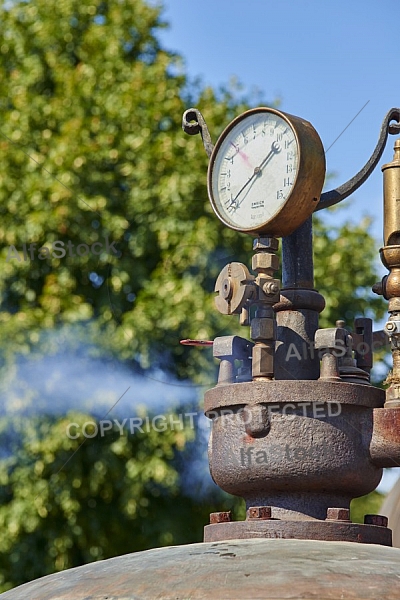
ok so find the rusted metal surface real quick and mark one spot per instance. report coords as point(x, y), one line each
point(284, 392)
point(271, 447)
point(256, 419)
point(257, 569)
point(220, 517)
point(330, 531)
point(337, 195)
point(385, 442)
point(301, 467)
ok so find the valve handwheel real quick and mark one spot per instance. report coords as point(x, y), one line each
point(234, 286)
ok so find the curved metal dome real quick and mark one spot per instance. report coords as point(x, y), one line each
point(235, 570)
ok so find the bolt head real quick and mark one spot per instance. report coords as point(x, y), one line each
point(266, 243)
point(259, 512)
point(378, 520)
point(271, 288)
point(220, 517)
point(338, 514)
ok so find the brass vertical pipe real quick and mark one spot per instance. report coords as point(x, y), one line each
point(390, 256)
point(391, 199)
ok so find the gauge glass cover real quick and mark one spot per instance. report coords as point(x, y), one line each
point(254, 169)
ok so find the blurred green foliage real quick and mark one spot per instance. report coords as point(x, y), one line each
point(366, 505)
point(91, 148)
point(67, 502)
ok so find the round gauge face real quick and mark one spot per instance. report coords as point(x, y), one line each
point(253, 169)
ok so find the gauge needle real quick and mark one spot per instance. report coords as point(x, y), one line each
point(275, 149)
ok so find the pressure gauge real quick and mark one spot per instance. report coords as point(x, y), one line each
point(266, 172)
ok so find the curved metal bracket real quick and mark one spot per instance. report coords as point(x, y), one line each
point(193, 123)
point(337, 195)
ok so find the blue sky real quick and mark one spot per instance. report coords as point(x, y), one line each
point(325, 60)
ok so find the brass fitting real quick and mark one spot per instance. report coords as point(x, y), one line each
point(263, 325)
point(265, 260)
point(390, 256)
point(391, 195)
point(262, 329)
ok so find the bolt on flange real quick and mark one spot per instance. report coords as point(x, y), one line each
point(220, 517)
point(378, 520)
point(338, 514)
point(259, 512)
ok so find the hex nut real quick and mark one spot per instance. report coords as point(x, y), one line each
point(259, 512)
point(266, 243)
point(263, 361)
point(265, 260)
point(378, 520)
point(220, 517)
point(271, 288)
point(262, 329)
point(338, 514)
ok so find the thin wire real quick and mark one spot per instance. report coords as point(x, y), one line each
point(347, 126)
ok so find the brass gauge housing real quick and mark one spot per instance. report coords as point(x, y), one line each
point(266, 173)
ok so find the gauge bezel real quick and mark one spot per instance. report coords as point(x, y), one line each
point(307, 185)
